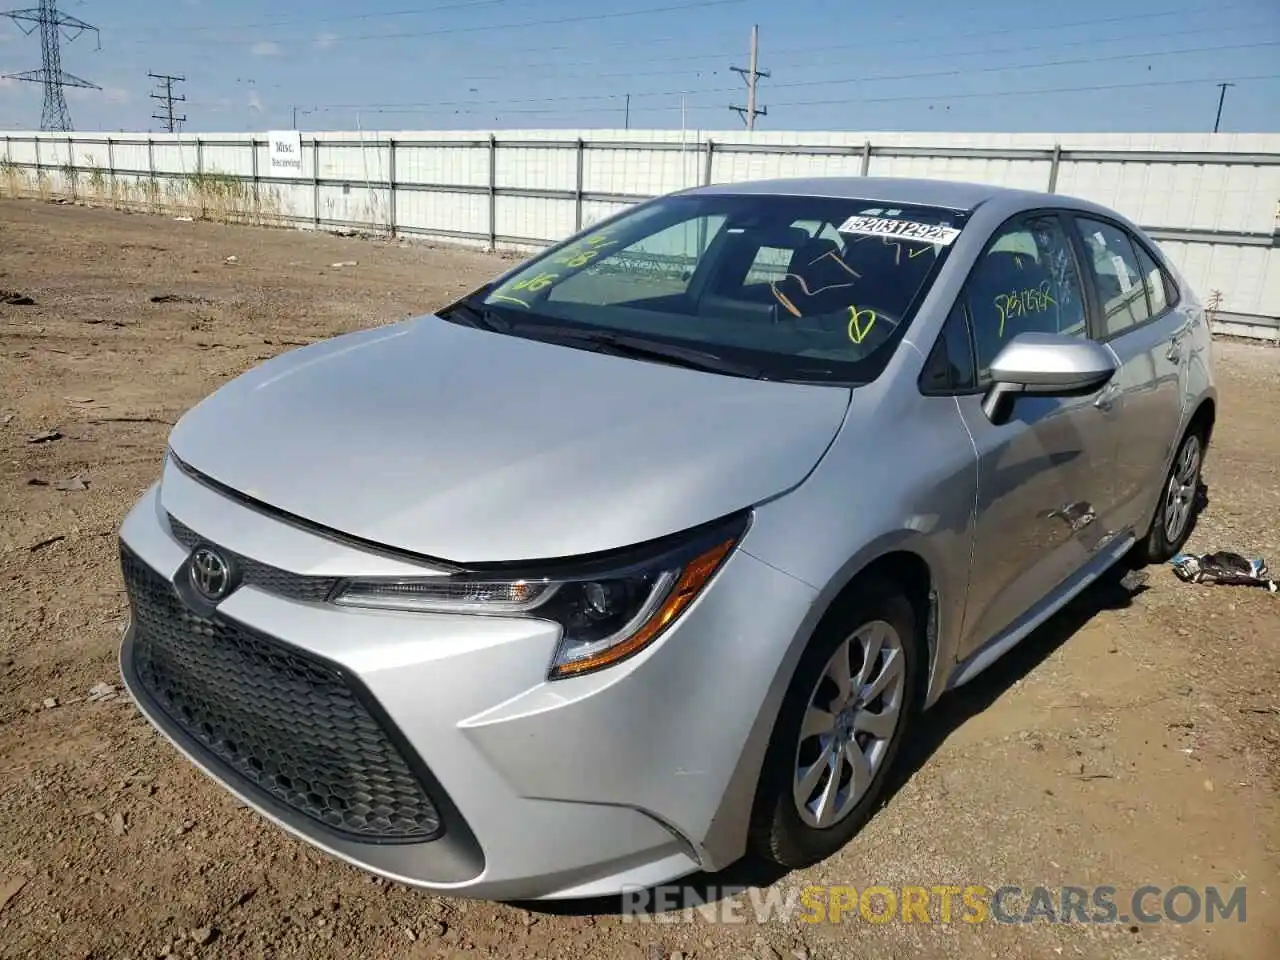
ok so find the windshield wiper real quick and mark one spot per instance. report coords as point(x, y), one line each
point(476, 316)
point(621, 344)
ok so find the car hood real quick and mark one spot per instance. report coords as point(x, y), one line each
point(471, 446)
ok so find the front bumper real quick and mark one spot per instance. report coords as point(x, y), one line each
point(577, 788)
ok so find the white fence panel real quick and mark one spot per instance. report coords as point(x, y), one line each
point(1212, 202)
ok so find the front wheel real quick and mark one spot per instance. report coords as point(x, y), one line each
point(843, 719)
point(1172, 523)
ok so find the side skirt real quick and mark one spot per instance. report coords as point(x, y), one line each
point(1002, 643)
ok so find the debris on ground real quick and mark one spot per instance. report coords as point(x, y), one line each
point(1134, 580)
point(179, 298)
point(1223, 567)
point(78, 399)
point(50, 702)
point(346, 263)
point(118, 825)
point(232, 259)
point(203, 935)
point(5, 418)
point(15, 299)
point(10, 889)
point(78, 482)
point(46, 542)
point(44, 436)
point(101, 692)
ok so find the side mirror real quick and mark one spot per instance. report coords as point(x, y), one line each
point(1046, 364)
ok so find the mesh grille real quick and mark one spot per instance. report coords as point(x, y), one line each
point(288, 725)
point(282, 583)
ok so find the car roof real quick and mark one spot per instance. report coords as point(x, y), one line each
point(951, 194)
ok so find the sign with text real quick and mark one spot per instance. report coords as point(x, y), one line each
point(284, 153)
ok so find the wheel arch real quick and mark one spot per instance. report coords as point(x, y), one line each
point(1204, 418)
point(901, 558)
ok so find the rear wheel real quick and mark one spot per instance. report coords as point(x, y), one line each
point(1172, 522)
point(851, 700)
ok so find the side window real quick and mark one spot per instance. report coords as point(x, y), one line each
point(659, 265)
point(769, 265)
point(1157, 284)
point(1026, 282)
point(949, 368)
point(772, 263)
point(1121, 290)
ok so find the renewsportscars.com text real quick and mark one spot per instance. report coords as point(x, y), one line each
point(938, 903)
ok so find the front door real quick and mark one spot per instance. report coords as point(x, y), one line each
point(1147, 394)
point(1041, 475)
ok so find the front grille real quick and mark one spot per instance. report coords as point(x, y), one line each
point(285, 724)
point(282, 583)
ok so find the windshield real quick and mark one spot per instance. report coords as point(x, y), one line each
point(808, 288)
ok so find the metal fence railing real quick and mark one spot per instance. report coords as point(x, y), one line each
point(529, 192)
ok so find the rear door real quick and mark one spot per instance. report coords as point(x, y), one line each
point(1137, 319)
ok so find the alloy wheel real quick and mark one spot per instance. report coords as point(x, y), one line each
point(852, 714)
point(1181, 491)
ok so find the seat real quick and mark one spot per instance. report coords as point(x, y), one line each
point(818, 280)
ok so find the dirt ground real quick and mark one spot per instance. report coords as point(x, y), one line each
point(1133, 740)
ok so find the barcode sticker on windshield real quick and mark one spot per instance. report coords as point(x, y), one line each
point(900, 229)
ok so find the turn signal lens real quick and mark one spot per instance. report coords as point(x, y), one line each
point(669, 598)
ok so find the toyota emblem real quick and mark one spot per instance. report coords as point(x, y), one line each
point(210, 574)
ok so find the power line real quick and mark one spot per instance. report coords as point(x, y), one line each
point(483, 28)
point(751, 75)
point(168, 98)
point(1000, 68)
point(994, 94)
point(54, 115)
point(864, 78)
point(1025, 93)
point(809, 51)
point(345, 18)
point(808, 60)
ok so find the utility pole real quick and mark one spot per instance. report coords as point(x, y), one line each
point(751, 75)
point(168, 99)
point(1221, 97)
point(52, 22)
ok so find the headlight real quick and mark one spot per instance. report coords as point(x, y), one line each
point(608, 608)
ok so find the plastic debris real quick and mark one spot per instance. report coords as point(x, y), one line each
point(100, 692)
point(1223, 567)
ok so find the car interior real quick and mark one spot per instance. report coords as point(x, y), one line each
point(788, 288)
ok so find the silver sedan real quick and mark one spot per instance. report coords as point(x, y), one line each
point(649, 553)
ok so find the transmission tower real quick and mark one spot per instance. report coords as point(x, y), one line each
point(751, 75)
point(168, 99)
point(52, 23)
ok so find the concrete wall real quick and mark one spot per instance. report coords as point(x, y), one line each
point(1211, 200)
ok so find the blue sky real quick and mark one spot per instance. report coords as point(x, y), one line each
point(976, 65)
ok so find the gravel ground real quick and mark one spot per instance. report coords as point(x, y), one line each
point(1132, 740)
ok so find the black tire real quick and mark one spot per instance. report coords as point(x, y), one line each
point(1158, 546)
point(777, 832)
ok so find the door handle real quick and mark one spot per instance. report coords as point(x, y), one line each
point(1107, 398)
